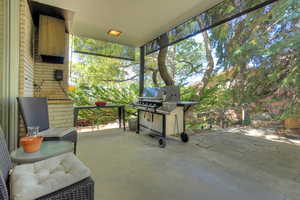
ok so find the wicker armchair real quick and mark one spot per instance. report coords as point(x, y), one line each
point(34, 111)
point(82, 190)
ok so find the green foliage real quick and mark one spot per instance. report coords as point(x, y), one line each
point(256, 58)
point(185, 59)
point(104, 48)
point(103, 79)
point(87, 95)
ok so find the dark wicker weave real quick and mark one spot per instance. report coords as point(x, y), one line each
point(83, 190)
point(5, 165)
point(34, 111)
point(3, 189)
point(5, 161)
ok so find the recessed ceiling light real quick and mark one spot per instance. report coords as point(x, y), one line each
point(114, 32)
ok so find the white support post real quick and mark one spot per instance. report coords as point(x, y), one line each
point(4, 71)
point(13, 73)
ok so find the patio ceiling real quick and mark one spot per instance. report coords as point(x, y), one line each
point(139, 20)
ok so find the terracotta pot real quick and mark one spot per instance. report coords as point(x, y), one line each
point(292, 123)
point(31, 144)
point(100, 103)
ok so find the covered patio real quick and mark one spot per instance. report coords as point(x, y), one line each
point(190, 73)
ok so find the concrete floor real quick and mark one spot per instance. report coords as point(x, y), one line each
point(213, 166)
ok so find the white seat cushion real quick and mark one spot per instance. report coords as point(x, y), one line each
point(30, 181)
point(56, 132)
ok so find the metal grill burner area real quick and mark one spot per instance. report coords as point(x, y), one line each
point(161, 113)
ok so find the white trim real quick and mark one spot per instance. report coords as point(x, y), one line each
point(4, 115)
point(14, 39)
point(10, 77)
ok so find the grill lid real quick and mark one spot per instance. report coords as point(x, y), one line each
point(151, 92)
point(167, 93)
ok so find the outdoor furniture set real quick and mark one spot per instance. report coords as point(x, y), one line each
point(52, 172)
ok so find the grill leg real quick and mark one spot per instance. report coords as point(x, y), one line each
point(164, 127)
point(162, 141)
point(184, 136)
point(138, 122)
point(120, 116)
point(123, 116)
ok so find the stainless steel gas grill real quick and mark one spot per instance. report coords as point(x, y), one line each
point(161, 113)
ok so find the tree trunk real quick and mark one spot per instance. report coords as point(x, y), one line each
point(154, 78)
point(162, 55)
point(209, 57)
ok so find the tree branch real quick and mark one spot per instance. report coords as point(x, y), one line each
point(193, 68)
point(209, 57)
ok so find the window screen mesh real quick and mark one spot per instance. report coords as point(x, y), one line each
point(102, 48)
point(219, 14)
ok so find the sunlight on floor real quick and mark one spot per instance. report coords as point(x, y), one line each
point(265, 133)
point(100, 127)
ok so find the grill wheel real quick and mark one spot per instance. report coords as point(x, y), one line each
point(184, 137)
point(162, 143)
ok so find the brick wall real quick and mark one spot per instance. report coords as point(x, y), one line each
point(35, 72)
point(47, 87)
point(61, 114)
point(26, 60)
